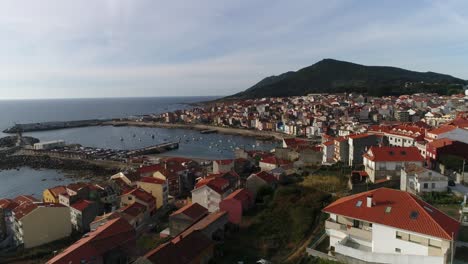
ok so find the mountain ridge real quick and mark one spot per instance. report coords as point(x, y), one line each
point(335, 76)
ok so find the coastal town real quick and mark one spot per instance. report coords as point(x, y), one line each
point(353, 179)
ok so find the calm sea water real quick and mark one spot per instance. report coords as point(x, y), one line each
point(193, 144)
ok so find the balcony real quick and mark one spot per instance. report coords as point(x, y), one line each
point(364, 233)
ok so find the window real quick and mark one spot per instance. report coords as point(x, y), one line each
point(426, 185)
point(397, 250)
point(433, 185)
point(359, 203)
point(356, 223)
point(399, 235)
point(388, 209)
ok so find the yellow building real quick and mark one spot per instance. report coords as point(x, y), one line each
point(52, 195)
point(157, 187)
point(36, 224)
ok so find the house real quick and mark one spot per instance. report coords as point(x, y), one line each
point(386, 162)
point(37, 223)
point(257, 180)
point(389, 226)
point(358, 145)
point(439, 148)
point(417, 179)
point(51, 195)
point(136, 214)
point(82, 213)
point(138, 195)
point(271, 162)
point(210, 192)
point(341, 150)
point(186, 216)
point(111, 242)
point(157, 188)
point(405, 135)
point(173, 177)
point(222, 166)
point(448, 131)
point(6, 220)
point(236, 204)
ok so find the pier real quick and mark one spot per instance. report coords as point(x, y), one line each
point(90, 153)
point(31, 127)
point(157, 149)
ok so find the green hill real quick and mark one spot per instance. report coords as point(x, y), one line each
point(333, 76)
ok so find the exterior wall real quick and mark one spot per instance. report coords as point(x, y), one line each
point(158, 191)
point(48, 197)
point(267, 166)
point(207, 198)
point(234, 209)
point(380, 170)
point(384, 246)
point(81, 220)
point(400, 141)
point(254, 183)
point(359, 146)
point(44, 225)
point(220, 168)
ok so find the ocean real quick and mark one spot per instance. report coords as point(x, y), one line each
point(193, 144)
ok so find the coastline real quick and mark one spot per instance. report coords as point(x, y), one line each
point(261, 135)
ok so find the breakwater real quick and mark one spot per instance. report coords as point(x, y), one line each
point(31, 127)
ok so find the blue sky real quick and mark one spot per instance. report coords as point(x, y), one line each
point(108, 48)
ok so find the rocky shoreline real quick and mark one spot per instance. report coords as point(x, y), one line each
point(72, 168)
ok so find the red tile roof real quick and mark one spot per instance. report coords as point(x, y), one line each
point(8, 204)
point(180, 250)
point(134, 209)
point(194, 211)
point(25, 199)
point(429, 220)
point(142, 195)
point(393, 154)
point(152, 180)
point(81, 205)
point(442, 129)
point(24, 209)
point(358, 136)
point(150, 169)
point(218, 184)
point(224, 162)
point(274, 160)
point(267, 177)
point(240, 195)
point(55, 191)
point(114, 234)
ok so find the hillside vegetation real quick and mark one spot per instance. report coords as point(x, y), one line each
point(333, 76)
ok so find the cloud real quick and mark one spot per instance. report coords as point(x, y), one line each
point(52, 48)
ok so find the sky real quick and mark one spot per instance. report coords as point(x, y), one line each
point(133, 48)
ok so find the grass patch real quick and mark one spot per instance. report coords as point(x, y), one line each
point(275, 231)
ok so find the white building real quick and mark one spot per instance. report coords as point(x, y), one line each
point(385, 162)
point(210, 192)
point(417, 179)
point(389, 226)
point(49, 145)
point(328, 152)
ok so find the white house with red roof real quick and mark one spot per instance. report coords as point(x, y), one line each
point(328, 152)
point(389, 226)
point(211, 191)
point(382, 163)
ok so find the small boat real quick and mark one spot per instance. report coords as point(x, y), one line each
point(121, 139)
point(152, 136)
point(134, 135)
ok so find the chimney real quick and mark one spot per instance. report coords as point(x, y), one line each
point(369, 201)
